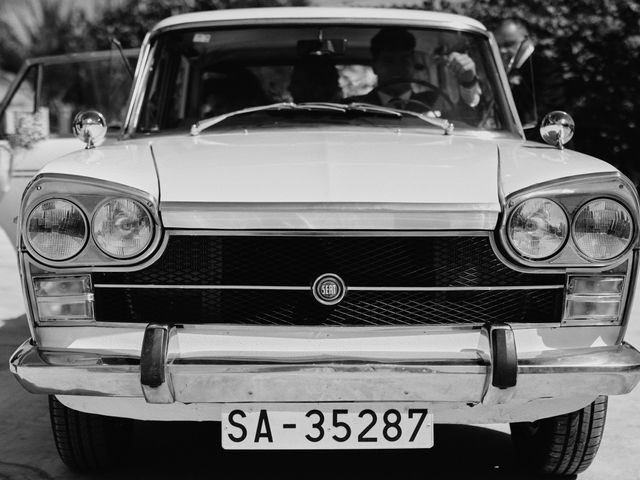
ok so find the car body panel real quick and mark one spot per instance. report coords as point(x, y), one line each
point(310, 14)
point(128, 164)
point(327, 166)
point(524, 164)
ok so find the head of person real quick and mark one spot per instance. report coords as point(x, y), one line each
point(509, 35)
point(393, 58)
point(314, 79)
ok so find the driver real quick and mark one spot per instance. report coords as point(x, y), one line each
point(394, 63)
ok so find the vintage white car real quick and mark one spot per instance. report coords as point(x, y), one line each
point(319, 261)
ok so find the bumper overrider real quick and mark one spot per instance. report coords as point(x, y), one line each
point(175, 366)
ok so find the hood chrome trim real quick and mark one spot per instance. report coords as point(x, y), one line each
point(333, 216)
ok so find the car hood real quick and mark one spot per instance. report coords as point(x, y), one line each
point(297, 174)
point(312, 179)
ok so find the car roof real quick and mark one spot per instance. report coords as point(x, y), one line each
point(338, 14)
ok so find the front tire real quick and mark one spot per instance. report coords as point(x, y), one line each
point(563, 445)
point(88, 442)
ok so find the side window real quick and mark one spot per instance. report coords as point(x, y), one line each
point(68, 88)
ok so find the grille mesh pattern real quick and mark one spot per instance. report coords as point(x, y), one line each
point(359, 261)
point(300, 308)
point(298, 261)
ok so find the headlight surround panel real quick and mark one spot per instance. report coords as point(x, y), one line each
point(89, 197)
point(573, 194)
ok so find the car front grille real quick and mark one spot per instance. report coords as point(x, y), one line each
point(266, 280)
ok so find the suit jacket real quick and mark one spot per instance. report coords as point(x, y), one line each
point(548, 85)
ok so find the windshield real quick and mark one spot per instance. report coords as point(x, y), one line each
point(200, 74)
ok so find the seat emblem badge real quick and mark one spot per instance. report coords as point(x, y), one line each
point(329, 289)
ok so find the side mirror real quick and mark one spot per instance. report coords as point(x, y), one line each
point(557, 128)
point(90, 127)
point(525, 50)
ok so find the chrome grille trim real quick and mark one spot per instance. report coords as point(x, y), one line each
point(355, 289)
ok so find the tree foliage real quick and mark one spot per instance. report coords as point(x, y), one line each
point(596, 46)
point(130, 21)
point(40, 28)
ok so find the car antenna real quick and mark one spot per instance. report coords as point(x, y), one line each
point(118, 45)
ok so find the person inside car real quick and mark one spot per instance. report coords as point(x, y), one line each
point(394, 63)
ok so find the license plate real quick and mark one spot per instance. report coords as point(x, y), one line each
point(326, 426)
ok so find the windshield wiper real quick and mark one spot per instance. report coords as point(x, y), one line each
point(209, 122)
point(442, 123)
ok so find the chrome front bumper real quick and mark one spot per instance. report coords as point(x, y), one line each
point(490, 374)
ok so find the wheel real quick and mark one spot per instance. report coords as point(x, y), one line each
point(87, 442)
point(564, 445)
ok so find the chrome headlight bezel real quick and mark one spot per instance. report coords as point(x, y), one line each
point(571, 193)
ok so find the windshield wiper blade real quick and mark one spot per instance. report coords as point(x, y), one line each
point(442, 123)
point(320, 106)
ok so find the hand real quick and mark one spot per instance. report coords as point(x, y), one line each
point(462, 67)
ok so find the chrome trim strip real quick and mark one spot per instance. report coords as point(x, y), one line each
point(349, 288)
point(329, 233)
point(140, 78)
point(329, 216)
point(200, 287)
point(370, 21)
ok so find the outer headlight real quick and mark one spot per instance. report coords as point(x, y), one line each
point(602, 229)
point(122, 228)
point(56, 229)
point(537, 228)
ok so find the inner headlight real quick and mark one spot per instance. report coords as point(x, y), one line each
point(122, 228)
point(602, 229)
point(56, 229)
point(537, 228)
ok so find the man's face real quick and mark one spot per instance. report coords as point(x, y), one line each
point(509, 37)
point(395, 69)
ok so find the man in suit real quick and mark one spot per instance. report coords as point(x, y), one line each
point(536, 82)
point(394, 63)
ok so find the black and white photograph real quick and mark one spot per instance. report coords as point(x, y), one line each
point(324, 239)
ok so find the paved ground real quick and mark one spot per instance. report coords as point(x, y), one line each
point(192, 450)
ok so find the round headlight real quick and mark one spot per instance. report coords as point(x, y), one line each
point(602, 229)
point(122, 228)
point(56, 229)
point(537, 228)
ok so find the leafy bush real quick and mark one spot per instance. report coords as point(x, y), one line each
point(596, 46)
